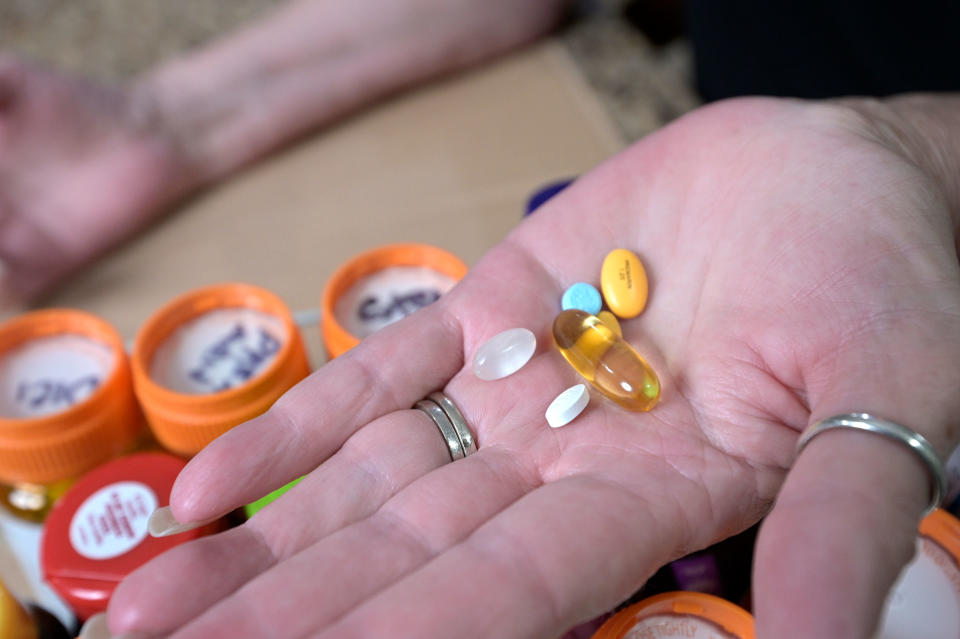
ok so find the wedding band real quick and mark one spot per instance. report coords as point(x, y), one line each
point(900, 434)
point(434, 412)
point(459, 423)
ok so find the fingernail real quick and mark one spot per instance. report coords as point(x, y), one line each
point(162, 523)
point(96, 627)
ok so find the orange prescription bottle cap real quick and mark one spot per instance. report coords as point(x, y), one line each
point(925, 600)
point(212, 359)
point(66, 399)
point(338, 338)
point(679, 614)
point(96, 533)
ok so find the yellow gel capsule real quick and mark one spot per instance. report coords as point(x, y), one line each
point(623, 281)
point(610, 320)
point(606, 360)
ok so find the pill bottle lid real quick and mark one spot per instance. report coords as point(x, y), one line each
point(66, 398)
point(680, 614)
point(96, 534)
point(338, 338)
point(925, 600)
point(212, 326)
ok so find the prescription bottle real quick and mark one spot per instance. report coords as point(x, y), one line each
point(96, 533)
point(691, 615)
point(27, 622)
point(381, 286)
point(925, 600)
point(214, 358)
point(66, 405)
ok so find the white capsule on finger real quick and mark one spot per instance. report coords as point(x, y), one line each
point(504, 354)
point(567, 406)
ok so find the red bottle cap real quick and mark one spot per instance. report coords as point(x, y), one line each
point(96, 534)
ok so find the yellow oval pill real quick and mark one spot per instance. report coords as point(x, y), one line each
point(623, 281)
point(610, 320)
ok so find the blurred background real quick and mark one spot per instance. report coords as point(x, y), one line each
point(634, 57)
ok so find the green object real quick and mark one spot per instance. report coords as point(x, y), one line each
point(252, 509)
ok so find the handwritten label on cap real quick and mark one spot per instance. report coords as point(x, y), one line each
point(218, 351)
point(388, 296)
point(51, 374)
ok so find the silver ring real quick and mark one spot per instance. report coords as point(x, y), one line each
point(434, 412)
point(459, 423)
point(900, 434)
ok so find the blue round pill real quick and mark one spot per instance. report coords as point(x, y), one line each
point(582, 296)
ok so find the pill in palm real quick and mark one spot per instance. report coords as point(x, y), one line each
point(582, 296)
point(610, 320)
point(606, 360)
point(567, 406)
point(623, 281)
point(504, 354)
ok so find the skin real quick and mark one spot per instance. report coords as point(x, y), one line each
point(803, 263)
point(66, 143)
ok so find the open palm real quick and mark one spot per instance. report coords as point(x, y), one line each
point(798, 269)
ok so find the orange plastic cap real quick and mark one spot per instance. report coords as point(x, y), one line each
point(336, 338)
point(727, 618)
point(184, 423)
point(65, 444)
point(943, 528)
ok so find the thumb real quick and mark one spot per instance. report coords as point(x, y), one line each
point(845, 521)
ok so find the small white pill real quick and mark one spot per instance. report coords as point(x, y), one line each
point(504, 354)
point(568, 404)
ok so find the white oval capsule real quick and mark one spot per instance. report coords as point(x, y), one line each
point(504, 354)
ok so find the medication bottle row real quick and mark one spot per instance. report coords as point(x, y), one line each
point(92, 439)
point(71, 398)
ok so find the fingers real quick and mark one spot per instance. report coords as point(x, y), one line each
point(561, 555)
point(429, 516)
point(371, 467)
point(390, 370)
point(844, 525)
point(846, 519)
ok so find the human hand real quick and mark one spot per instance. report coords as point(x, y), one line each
point(799, 268)
point(82, 165)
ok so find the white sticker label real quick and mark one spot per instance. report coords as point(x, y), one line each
point(113, 520)
point(662, 626)
point(51, 374)
point(925, 600)
point(217, 351)
point(388, 296)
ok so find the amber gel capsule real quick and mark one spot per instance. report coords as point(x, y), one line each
point(606, 360)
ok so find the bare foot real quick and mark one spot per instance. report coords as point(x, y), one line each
point(82, 166)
